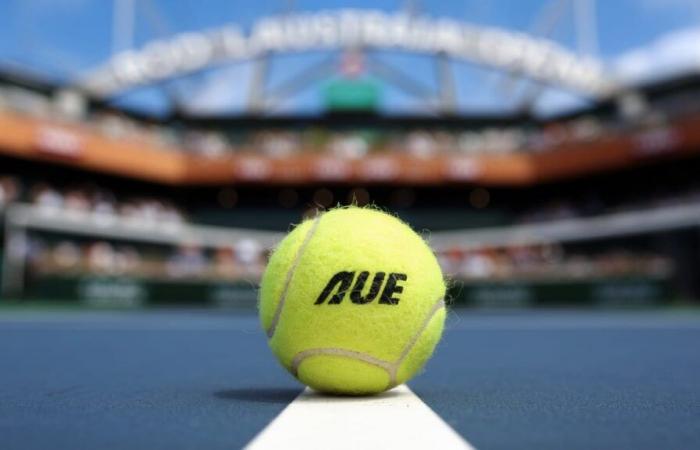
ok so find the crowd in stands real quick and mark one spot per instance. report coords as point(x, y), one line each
point(243, 260)
point(89, 199)
point(70, 106)
point(549, 262)
point(421, 142)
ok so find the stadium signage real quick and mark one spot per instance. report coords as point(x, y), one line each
point(658, 140)
point(59, 142)
point(539, 59)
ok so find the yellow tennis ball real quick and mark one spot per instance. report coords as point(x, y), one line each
point(352, 302)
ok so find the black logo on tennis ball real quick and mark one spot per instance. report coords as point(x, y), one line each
point(340, 284)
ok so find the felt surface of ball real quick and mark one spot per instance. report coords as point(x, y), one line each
point(352, 301)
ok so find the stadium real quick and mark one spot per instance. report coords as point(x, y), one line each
point(142, 197)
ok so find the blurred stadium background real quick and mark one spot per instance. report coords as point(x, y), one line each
point(152, 154)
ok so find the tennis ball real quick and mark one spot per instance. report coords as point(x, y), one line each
point(352, 302)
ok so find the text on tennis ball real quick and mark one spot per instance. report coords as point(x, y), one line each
point(340, 283)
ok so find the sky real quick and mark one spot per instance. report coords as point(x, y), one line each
point(637, 40)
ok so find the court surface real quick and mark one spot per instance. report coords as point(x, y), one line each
point(206, 380)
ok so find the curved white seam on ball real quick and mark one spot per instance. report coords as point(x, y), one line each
point(288, 278)
point(393, 371)
point(391, 368)
point(369, 359)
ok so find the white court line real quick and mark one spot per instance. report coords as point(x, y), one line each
point(397, 419)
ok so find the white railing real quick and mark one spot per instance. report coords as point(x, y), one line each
point(20, 218)
point(572, 230)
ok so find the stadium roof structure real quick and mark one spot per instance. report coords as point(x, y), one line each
point(360, 32)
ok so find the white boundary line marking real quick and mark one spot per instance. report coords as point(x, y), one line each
point(397, 419)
